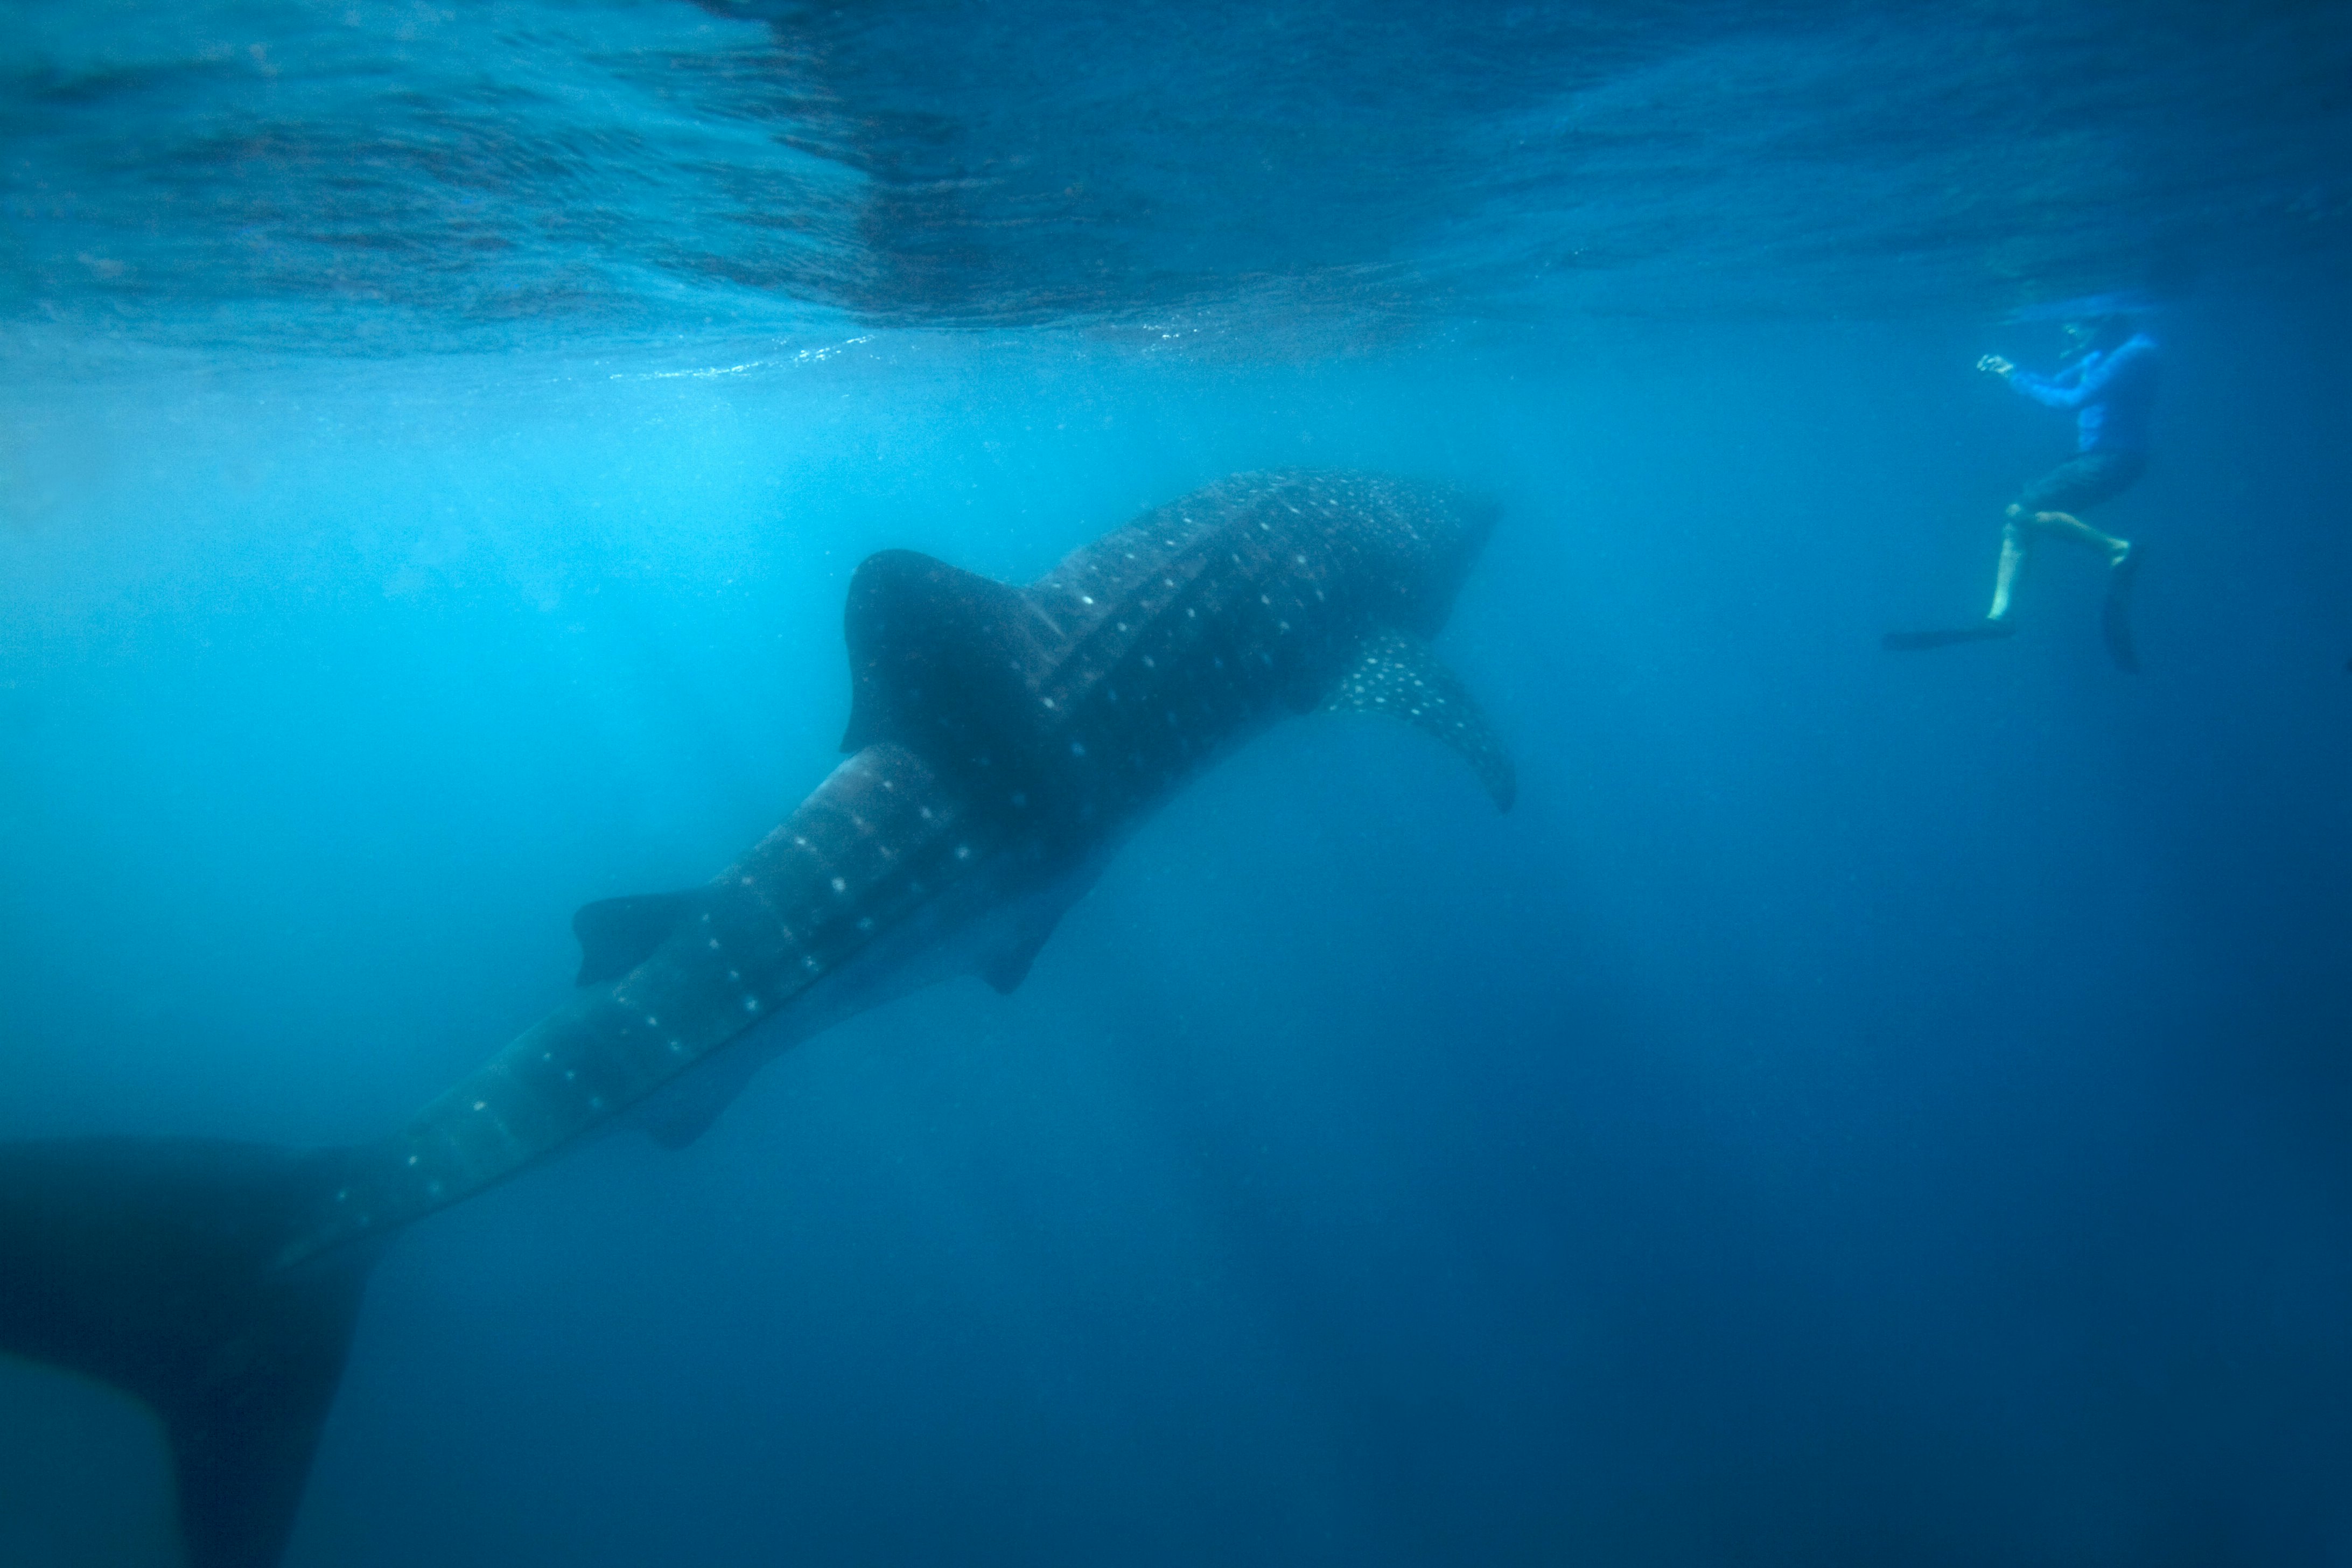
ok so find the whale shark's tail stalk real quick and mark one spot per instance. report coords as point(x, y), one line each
point(153, 1264)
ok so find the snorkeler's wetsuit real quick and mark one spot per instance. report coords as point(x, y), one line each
point(2113, 393)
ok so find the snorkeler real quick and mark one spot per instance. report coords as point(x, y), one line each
point(2110, 379)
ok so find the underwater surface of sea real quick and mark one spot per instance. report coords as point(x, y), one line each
point(1858, 1109)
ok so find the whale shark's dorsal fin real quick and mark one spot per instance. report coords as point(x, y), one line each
point(1398, 675)
point(935, 653)
point(617, 934)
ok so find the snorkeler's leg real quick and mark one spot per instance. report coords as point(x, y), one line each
point(2013, 540)
point(2123, 565)
point(2067, 525)
point(1996, 621)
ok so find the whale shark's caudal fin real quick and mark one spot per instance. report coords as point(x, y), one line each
point(1400, 675)
point(153, 1264)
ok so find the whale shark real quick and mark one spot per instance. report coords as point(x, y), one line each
point(1003, 742)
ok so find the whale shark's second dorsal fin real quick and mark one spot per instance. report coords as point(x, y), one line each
point(617, 934)
point(1400, 675)
point(935, 653)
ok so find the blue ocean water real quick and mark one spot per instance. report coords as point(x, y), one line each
point(1855, 1109)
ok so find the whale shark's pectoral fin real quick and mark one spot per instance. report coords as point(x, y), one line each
point(617, 934)
point(936, 653)
point(1400, 675)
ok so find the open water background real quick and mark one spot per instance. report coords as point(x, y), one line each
point(1856, 1110)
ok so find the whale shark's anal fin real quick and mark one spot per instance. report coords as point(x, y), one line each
point(1007, 968)
point(936, 653)
point(151, 1264)
point(1399, 674)
point(617, 934)
point(690, 1105)
point(677, 1117)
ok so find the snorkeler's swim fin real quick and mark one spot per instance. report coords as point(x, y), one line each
point(1987, 630)
point(2114, 616)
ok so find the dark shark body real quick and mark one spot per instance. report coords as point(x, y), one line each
point(1003, 741)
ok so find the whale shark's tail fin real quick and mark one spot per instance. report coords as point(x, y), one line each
point(153, 1264)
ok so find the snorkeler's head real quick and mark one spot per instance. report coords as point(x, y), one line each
point(2087, 334)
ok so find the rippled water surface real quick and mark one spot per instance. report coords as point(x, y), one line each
point(376, 177)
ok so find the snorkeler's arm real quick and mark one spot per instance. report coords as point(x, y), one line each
point(2054, 390)
point(2088, 382)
